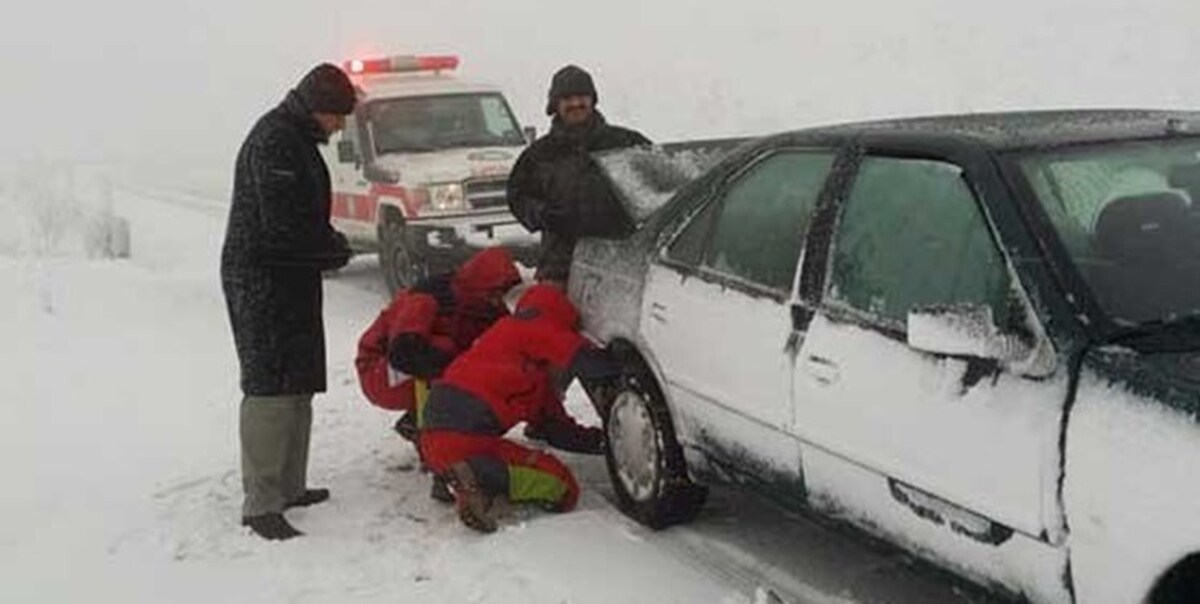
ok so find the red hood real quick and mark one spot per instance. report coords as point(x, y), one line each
point(487, 271)
point(549, 302)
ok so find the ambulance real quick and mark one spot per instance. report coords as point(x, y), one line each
point(420, 171)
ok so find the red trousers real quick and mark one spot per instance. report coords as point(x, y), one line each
point(504, 467)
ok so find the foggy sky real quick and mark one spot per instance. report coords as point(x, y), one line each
point(182, 80)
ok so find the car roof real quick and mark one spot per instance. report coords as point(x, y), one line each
point(1020, 130)
point(385, 86)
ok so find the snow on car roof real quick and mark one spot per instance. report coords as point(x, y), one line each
point(418, 84)
point(1015, 130)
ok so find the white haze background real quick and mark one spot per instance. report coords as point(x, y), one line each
point(182, 80)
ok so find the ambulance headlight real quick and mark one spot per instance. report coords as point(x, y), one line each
point(447, 198)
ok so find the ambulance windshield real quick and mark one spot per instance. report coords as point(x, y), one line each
point(433, 123)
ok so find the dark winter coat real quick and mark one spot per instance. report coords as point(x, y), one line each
point(556, 188)
point(277, 242)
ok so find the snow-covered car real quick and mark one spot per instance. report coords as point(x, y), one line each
point(419, 174)
point(977, 337)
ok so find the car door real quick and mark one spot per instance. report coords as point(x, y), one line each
point(716, 311)
point(964, 441)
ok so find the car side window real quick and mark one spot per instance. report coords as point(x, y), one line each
point(762, 217)
point(912, 235)
point(688, 247)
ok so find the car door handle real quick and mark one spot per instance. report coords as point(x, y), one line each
point(823, 370)
point(658, 312)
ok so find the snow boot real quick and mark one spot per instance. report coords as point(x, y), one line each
point(534, 432)
point(406, 427)
point(472, 503)
point(439, 491)
point(310, 497)
point(272, 527)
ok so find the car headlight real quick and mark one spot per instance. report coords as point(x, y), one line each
point(446, 198)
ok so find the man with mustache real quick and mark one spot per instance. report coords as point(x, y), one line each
point(555, 187)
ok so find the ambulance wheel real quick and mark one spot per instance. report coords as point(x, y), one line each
point(400, 268)
point(645, 462)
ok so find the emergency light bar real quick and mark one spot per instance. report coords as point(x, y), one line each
point(401, 64)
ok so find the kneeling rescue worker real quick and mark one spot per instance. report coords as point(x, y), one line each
point(511, 375)
point(424, 328)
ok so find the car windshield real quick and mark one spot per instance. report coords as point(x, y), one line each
point(1129, 217)
point(433, 123)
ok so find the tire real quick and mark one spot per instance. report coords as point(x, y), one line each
point(645, 462)
point(401, 268)
point(1179, 585)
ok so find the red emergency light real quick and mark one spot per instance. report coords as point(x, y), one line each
point(401, 64)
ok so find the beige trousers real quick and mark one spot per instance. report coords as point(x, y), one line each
point(274, 432)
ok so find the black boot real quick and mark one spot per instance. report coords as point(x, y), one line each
point(472, 503)
point(406, 427)
point(310, 497)
point(272, 527)
point(439, 491)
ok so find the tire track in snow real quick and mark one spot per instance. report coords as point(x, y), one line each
point(762, 550)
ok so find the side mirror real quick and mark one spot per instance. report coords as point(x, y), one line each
point(530, 133)
point(963, 330)
point(347, 153)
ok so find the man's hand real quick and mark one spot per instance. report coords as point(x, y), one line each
point(593, 443)
point(414, 355)
point(342, 251)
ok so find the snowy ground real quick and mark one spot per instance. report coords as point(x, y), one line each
point(119, 454)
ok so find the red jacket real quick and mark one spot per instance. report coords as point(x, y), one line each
point(511, 368)
point(445, 313)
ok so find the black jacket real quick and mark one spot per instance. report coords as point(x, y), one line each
point(277, 242)
point(556, 188)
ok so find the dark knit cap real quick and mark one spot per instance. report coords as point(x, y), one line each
point(570, 81)
point(327, 89)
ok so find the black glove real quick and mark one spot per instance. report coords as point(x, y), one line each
point(586, 441)
point(593, 442)
point(595, 364)
point(414, 355)
point(342, 252)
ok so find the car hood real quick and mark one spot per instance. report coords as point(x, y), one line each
point(450, 165)
point(645, 178)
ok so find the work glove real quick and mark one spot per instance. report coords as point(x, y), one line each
point(587, 441)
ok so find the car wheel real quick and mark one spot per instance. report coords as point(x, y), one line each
point(401, 269)
point(645, 461)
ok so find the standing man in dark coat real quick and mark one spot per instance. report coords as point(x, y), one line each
point(555, 187)
point(277, 242)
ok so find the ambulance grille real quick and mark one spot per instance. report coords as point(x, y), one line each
point(488, 193)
